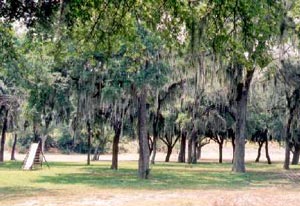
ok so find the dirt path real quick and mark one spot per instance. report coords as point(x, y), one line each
point(208, 152)
point(249, 197)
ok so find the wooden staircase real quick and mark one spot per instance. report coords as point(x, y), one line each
point(38, 159)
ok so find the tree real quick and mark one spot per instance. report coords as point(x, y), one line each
point(216, 129)
point(115, 107)
point(163, 98)
point(171, 132)
point(261, 137)
point(288, 71)
point(242, 31)
point(9, 74)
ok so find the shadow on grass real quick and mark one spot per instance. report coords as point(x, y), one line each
point(21, 191)
point(201, 176)
point(17, 165)
point(11, 165)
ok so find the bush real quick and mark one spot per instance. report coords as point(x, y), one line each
point(65, 142)
point(50, 143)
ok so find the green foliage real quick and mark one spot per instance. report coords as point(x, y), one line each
point(64, 141)
point(235, 28)
point(257, 122)
point(9, 57)
point(7, 49)
point(24, 142)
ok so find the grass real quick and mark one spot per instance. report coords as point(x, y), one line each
point(74, 177)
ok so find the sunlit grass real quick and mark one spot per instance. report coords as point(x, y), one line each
point(73, 177)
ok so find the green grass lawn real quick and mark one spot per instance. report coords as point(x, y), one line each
point(15, 182)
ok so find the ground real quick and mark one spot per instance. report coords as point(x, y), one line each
point(70, 182)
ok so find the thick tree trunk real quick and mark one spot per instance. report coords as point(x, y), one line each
point(239, 153)
point(241, 106)
point(241, 101)
point(292, 105)
point(115, 149)
point(169, 152)
point(181, 156)
point(221, 152)
point(3, 136)
point(89, 142)
point(190, 146)
point(267, 152)
point(194, 153)
point(286, 164)
point(194, 147)
point(13, 150)
point(143, 167)
point(295, 159)
point(260, 144)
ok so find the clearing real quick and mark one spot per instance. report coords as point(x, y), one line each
point(70, 182)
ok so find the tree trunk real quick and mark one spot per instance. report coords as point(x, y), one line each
point(260, 144)
point(143, 167)
point(239, 153)
point(96, 153)
point(190, 150)
point(286, 164)
point(3, 136)
point(181, 156)
point(169, 152)
point(73, 142)
point(115, 149)
point(74, 138)
point(241, 101)
point(150, 144)
point(267, 152)
point(89, 142)
point(154, 150)
point(43, 142)
point(155, 137)
point(233, 148)
point(295, 159)
point(194, 147)
point(14, 147)
point(287, 141)
point(221, 152)
point(35, 132)
point(292, 105)
point(296, 154)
